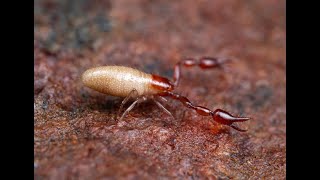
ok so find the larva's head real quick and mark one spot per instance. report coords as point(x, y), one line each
point(161, 84)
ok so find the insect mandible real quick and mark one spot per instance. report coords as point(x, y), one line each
point(130, 83)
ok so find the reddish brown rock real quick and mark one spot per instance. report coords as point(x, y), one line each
point(76, 135)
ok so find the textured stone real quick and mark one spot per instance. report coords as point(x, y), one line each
point(75, 132)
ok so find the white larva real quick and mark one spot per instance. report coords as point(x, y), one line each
point(131, 83)
point(118, 80)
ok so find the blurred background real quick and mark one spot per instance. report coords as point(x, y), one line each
point(76, 135)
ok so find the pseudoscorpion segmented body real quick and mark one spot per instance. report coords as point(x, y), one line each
point(131, 83)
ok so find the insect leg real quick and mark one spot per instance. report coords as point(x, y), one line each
point(138, 100)
point(162, 98)
point(203, 63)
point(219, 115)
point(162, 107)
point(133, 93)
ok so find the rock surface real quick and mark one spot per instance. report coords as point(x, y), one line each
point(75, 132)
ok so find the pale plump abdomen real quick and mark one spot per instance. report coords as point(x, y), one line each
point(117, 80)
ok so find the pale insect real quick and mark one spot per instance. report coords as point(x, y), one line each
point(129, 83)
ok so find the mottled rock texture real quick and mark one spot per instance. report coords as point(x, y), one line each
point(75, 132)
